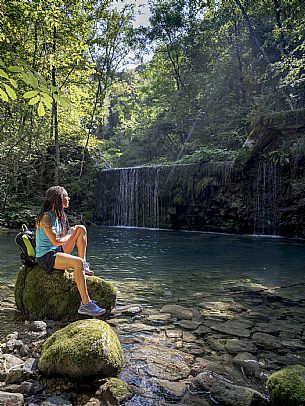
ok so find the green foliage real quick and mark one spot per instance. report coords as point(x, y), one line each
point(41, 95)
point(18, 215)
point(214, 69)
point(52, 57)
point(210, 78)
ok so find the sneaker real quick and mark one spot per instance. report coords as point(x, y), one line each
point(91, 309)
point(87, 269)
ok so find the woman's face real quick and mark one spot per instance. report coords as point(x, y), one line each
point(65, 199)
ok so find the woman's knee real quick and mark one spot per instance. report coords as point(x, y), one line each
point(81, 229)
point(78, 264)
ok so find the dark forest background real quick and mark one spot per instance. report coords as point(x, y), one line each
point(71, 104)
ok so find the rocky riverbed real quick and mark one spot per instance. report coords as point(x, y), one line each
point(221, 350)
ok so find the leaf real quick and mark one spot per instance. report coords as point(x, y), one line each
point(47, 103)
point(64, 102)
point(3, 74)
point(30, 94)
point(47, 96)
point(33, 101)
point(33, 81)
point(43, 88)
point(3, 95)
point(25, 78)
point(41, 111)
point(15, 69)
point(2, 63)
point(10, 92)
point(13, 83)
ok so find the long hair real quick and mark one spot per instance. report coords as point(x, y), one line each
point(54, 202)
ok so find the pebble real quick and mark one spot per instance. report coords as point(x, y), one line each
point(165, 356)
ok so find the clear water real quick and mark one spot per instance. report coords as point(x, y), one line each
point(150, 264)
point(154, 267)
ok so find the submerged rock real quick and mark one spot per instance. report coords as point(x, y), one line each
point(225, 392)
point(287, 386)
point(177, 311)
point(56, 401)
point(234, 395)
point(54, 295)
point(83, 348)
point(115, 391)
point(171, 390)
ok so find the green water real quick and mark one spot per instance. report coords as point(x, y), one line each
point(150, 265)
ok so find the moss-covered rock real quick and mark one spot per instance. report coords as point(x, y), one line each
point(287, 386)
point(115, 391)
point(82, 349)
point(55, 296)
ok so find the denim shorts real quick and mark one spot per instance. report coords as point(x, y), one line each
point(47, 261)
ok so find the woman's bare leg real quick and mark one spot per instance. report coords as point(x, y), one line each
point(79, 237)
point(64, 261)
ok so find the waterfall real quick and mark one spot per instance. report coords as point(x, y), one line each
point(129, 197)
point(266, 193)
point(154, 196)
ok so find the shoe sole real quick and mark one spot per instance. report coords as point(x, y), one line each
point(91, 314)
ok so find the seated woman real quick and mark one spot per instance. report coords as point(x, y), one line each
point(54, 244)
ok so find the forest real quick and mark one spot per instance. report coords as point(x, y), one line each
point(82, 89)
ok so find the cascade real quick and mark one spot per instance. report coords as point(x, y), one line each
point(148, 196)
point(129, 197)
point(266, 195)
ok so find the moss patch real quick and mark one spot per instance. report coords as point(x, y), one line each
point(54, 295)
point(115, 391)
point(287, 386)
point(83, 348)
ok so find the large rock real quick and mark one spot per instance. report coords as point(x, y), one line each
point(83, 348)
point(225, 393)
point(9, 362)
point(15, 399)
point(55, 296)
point(287, 386)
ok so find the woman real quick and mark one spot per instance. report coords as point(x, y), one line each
point(54, 244)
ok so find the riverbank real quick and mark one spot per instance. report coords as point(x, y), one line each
point(240, 335)
point(229, 324)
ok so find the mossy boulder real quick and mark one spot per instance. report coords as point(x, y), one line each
point(287, 386)
point(55, 296)
point(115, 391)
point(85, 348)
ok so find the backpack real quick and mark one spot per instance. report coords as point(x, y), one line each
point(26, 243)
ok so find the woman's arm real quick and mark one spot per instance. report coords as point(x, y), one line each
point(46, 224)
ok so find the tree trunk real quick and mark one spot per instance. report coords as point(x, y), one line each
point(278, 15)
point(98, 91)
point(54, 122)
point(253, 34)
point(241, 85)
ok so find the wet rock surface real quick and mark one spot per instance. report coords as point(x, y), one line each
point(222, 350)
